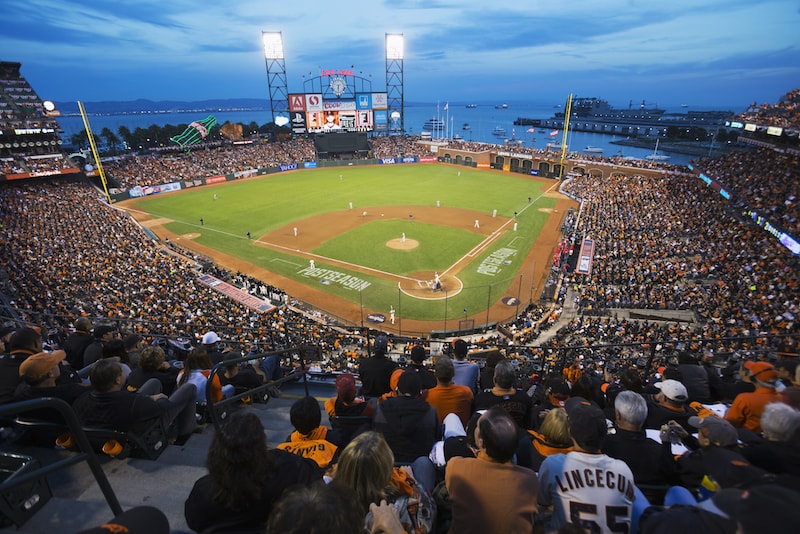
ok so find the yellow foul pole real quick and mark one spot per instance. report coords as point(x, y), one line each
point(95, 154)
point(567, 113)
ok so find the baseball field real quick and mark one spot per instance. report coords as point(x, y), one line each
point(422, 244)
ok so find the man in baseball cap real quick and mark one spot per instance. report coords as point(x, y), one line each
point(210, 340)
point(39, 372)
point(669, 404)
point(746, 409)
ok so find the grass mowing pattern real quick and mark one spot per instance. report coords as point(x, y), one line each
point(260, 205)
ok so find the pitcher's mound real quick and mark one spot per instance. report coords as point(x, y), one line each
point(191, 236)
point(399, 244)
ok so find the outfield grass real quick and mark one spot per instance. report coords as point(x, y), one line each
point(264, 204)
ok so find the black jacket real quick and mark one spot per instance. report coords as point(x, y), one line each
point(375, 373)
point(410, 426)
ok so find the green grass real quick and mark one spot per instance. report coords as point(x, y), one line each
point(264, 204)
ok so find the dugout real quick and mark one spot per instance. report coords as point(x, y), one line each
point(342, 145)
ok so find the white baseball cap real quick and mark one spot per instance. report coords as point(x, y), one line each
point(210, 338)
point(673, 390)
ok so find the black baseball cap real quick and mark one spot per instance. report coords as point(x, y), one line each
point(587, 422)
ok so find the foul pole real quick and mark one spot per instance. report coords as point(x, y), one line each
point(95, 154)
point(567, 113)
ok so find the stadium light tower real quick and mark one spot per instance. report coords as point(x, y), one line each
point(276, 74)
point(395, 50)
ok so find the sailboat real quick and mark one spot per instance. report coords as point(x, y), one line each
point(655, 156)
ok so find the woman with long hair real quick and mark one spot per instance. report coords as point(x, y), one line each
point(245, 478)
point(196, 370)
point(366, 466)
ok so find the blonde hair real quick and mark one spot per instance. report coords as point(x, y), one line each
point(365, 465)
point(555, 428)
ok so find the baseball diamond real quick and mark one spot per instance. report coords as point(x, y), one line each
point(408, 242)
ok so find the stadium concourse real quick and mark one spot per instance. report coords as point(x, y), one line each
point(679, 271)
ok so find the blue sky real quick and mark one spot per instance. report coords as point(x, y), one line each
point(720, 53)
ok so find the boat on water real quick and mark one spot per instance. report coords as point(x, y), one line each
point(466, 126)
point(655, 156)
point(433, 125)
point(458, 137)
point(472, 106)
point(593, 149)
point(499, 131)
point(501, 106)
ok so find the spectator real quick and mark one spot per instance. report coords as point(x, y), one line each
point(241, 377)
point(39, 373)
point(694, 378)
point(366, 465)
point(210, 342)
point(245, 479)
point(552, 438)
point(153, 364)
point(427, 378)
point(448, 397)
point(486, 380)
point(103, 333)
point(133, 346)
point(668, 405)
point(110, 406)
point(24, 342)
point(556, 395)
point(746, 410)
point(408, 423)
point(780, 451)
point(375, 372)
point(196, 370)
point(650, 462)
point(345, 402)
point(505, 394)
point(489, 494)
point(309, 438)
point(466, 372)
point(601, 487)
point(76, 343)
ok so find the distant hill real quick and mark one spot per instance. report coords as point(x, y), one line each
point(136, 106)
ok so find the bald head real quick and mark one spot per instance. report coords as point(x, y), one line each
point(497, 434)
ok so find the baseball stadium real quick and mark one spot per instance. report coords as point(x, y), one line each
point(223, 279)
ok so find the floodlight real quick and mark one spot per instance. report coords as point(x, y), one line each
point(394, 46)
point(273, 45)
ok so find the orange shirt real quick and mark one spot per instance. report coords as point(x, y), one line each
point(451, 399)
point(746, 410)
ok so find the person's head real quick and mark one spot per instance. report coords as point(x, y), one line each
point(231, 365)
point(106, 375)
point(786, 369)
point(555, 427)
point(151, 358)
point(25, 339)
point(760, 508)
point(672, 392)
point(381, 345)
point(365, 465)
point(779, 421)
point(409, 384)
point(630, 379)
point(558, 392)
point(630, 409)
point(238, 461)
point(417, 355)
point(197, 359)
point(41, 368)
point(496, 433)
point(493, 358)
point(505, 376)
point(105, 332)
point(762, 374)
point(83, 324)
point(587, 424)
point(132, 342)
point(460, 348)
point(714, 431)
point(346, 387)
point(115, 348)
point(686, 357)
point(318, 508)
point(444, 370)
point(305, 414)
point(210, 339)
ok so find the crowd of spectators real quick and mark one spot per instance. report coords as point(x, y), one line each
point(785, 113)
point(764, 180)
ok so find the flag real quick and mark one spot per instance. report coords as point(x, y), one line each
point(531, 130)
point(554, 133)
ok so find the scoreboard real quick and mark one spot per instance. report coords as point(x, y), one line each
point(312, 113)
